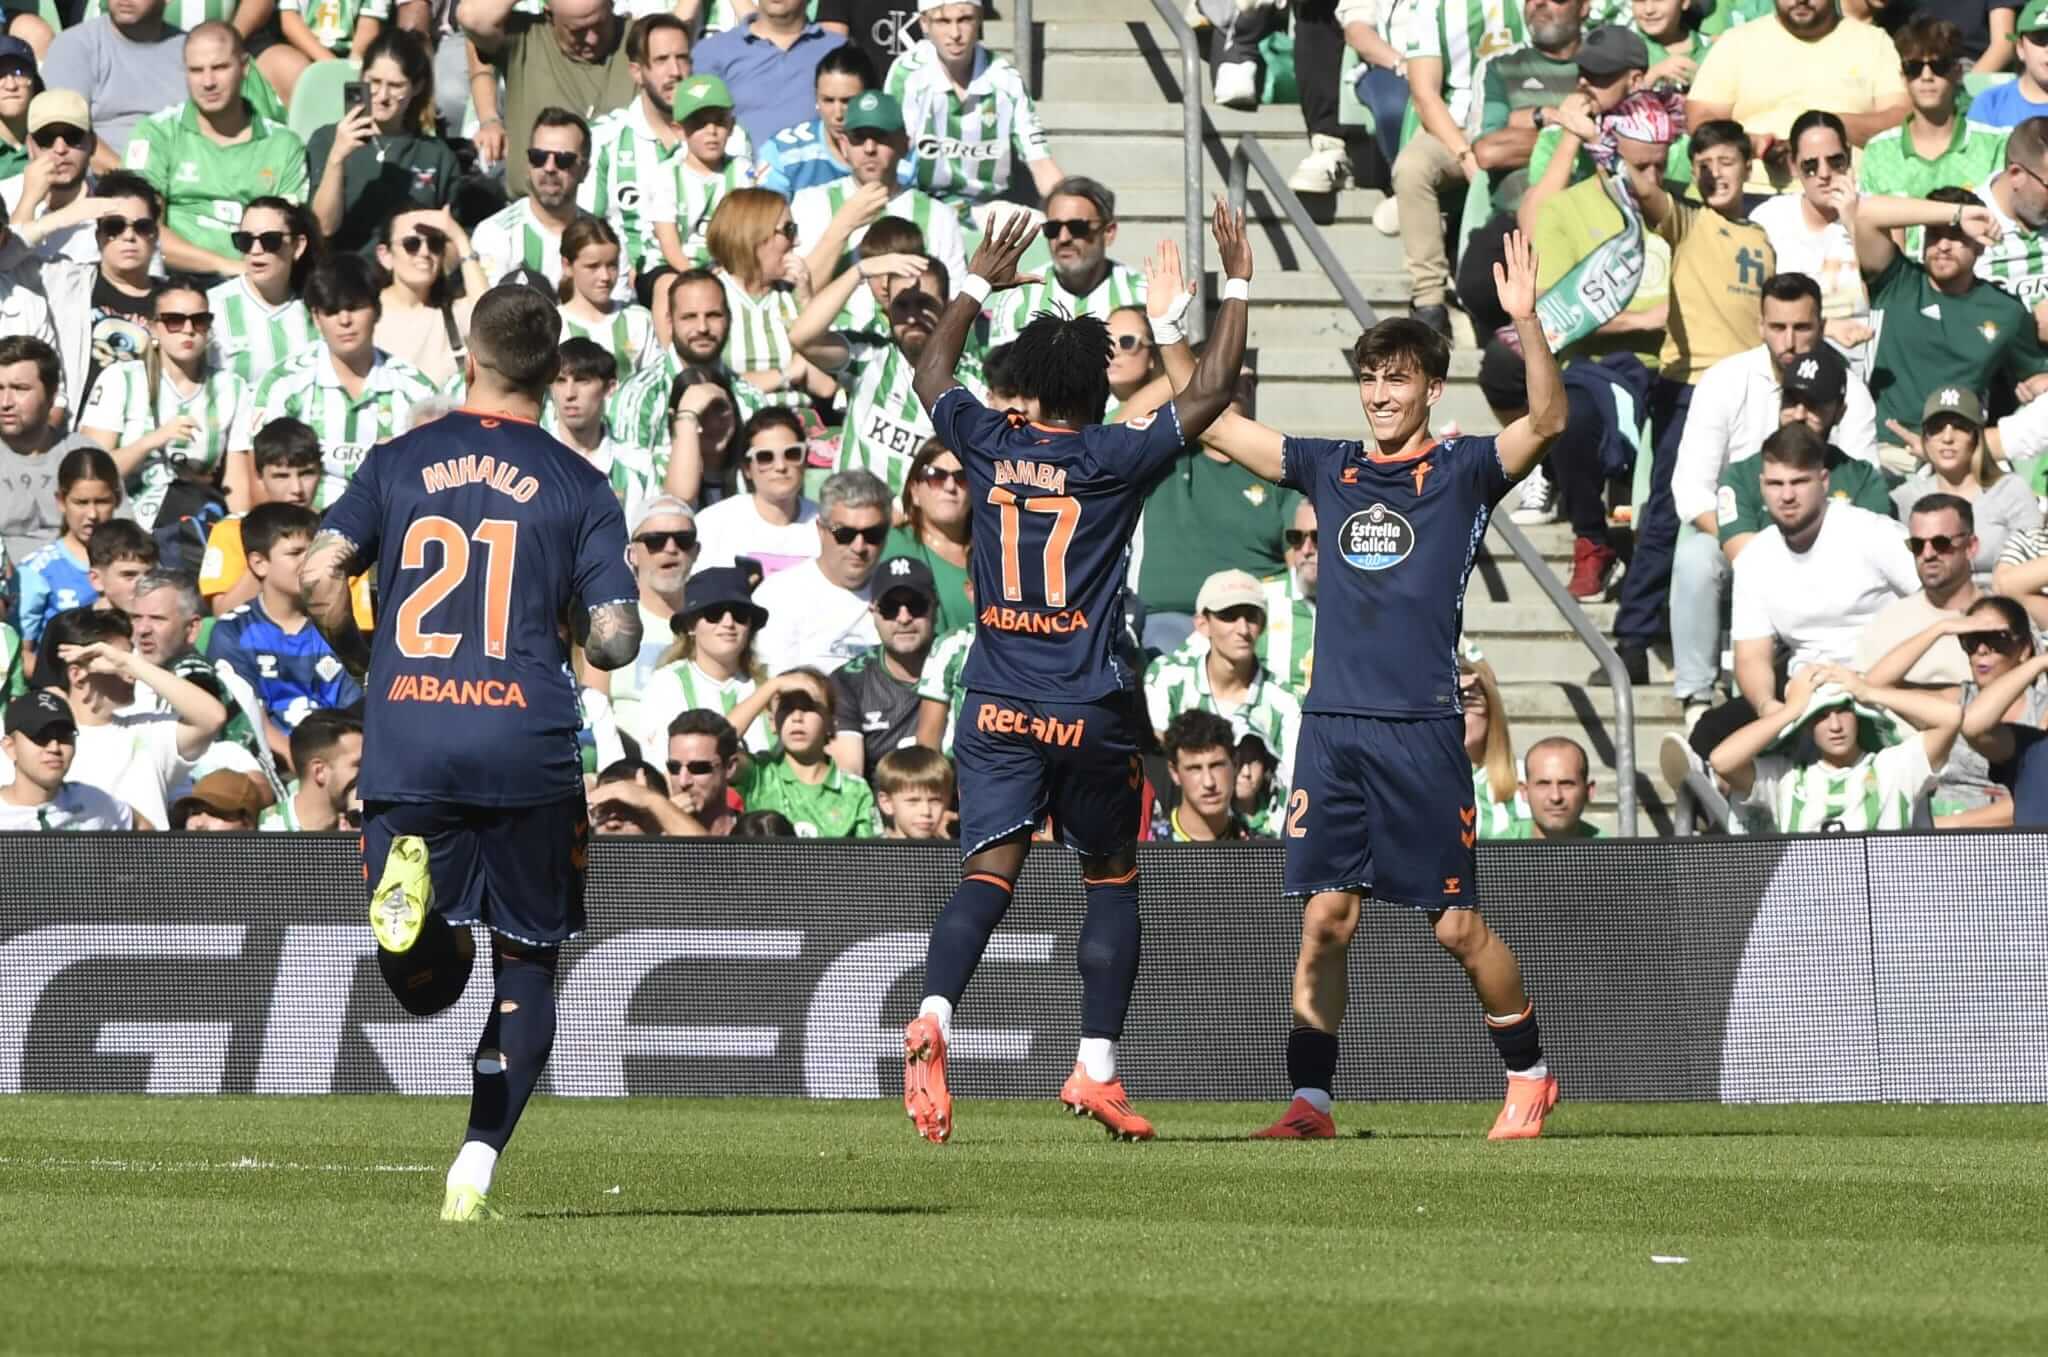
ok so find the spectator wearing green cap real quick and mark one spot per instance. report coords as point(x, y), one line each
point(679, 205)
point(1937, 146)
point(831, 219)
point(2011, 104)
point(1959, 462)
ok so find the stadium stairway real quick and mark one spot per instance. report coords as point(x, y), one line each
point(1110, 98)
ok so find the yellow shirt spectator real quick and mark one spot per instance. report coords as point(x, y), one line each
point(1718, 267)
point(226, 563)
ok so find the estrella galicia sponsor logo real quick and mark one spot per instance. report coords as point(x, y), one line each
point(1375, 539)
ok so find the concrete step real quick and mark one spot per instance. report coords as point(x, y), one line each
point(1533, 660)
point(1530, 616)
point(1276, 249)
point(1540, 701)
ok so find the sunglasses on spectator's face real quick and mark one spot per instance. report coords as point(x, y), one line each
point(248, 242)
point(787, 231)
point(113, 228)
point(1080, 228)
point(562, 160)
point(917, 605)
point(681, 540)
point(765, 457)
point(1913, 70)
point(46, 137)
point(1296, 537)
point(177, 321)
point(719, 612)
point(1942, 543)
point(427, 239)
point(2036, 38)
point(694, 767)
point(1838, 162)
point(2004, 641)
point(933, 474)
point(1129, 343)
point(844, 535)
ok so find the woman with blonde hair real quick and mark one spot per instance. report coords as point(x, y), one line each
point(711, 663)
point(936, 529)
point(752, 239)
point(1490, 744)
point(590, 307)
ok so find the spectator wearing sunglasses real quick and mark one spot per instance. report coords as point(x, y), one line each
point(703, 759)
point(818, 610)
point(1905, 643)
point(772, 522)
point(260, 319)
point(936, 530)
point(663, 549)
point(1137, 380)
point(212, 150)
point(528, 232)
point(176, 424)
point(799, 778)
point(632, 797)
point(832, 219)
point(752, 239)
point(1805, 228)
point(431, 282)
point(2005, 711)
point(1080, 225)
point(876, 691)
point(2012, 103)
point(709, 663)
point(382, 157)
point(569, 54)
point(1958, 462)
point(1937, 147)
point(1290, 634)
point(60, 148)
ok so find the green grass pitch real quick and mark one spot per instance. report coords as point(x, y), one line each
point(131, 1225)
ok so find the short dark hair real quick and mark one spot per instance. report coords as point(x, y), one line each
point(999, 370)
point(1790, 287)
point(76, 627)
point(264, 526)
point(1063, 363)
point(342, 282)
point(770, 417)
point(643, 30)
point(1812, 118)
point(120, 539)
point(177, 282)
point(82, 464)
point(1403, 341)
point(694, 277)
point(1962, 197)
point(889, 235)
point(1095, 191)
point(1195, 730)
point(1252, 749)
point(1796, 446)
point(286, 442)
point(1721, 132)
point(704, 721)
point(585, 360)
point(849, 59)
point(317, 734)
point(28, 349)
point(2024, 146)
point(1930, 39)
point(516, 332)
point(634, 770)
point(552, 116)
point(1935, 503)
point(128, 184)
point(763, 824)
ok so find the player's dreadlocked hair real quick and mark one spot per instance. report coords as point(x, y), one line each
point(1064, 363)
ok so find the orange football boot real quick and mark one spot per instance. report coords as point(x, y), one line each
point(1085, 1097)
point(1521, 1116)
point(925, 1095)
point(1302, 1120)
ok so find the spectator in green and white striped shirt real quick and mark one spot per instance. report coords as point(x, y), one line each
point(1081, 224)
point(752, 239)
point(528, 232)
point(678, 205)
point(711, 663)
point(1490, 745)
point(582, 389)
point(259, 319)
point(644, 413)
point(636, 147)
point(832, 218)
point(591, 308)
point(1289, 640)
point(940, 691)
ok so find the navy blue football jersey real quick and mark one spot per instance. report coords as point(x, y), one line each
point(1398, 538)
point(485, 533)
point(1054, 510)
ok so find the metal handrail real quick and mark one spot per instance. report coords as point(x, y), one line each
point(1697, 796)
point(1193, 210)
point(1249, 155)
point(1025, 46)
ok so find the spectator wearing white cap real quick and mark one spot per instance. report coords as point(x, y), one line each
point(1226, 677)
point(60, 148)
point(662, 553)
point(41, 742)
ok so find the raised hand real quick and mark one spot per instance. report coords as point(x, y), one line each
point(1514, 278)
point(909, 267)
point(995, 259)
point(1980, 226)
point(1165, 284)
point(1233, 246)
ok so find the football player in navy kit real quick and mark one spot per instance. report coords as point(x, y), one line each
point(1382, 800)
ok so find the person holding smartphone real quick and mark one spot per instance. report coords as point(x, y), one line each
point(382, 158)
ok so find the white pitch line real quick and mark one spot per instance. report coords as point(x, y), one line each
point(243, 1165)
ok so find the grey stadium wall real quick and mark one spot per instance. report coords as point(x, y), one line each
point(1895, 967)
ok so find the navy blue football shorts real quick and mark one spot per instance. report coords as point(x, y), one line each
point(518, 870)
point(1384, 808)
point(1020, 761)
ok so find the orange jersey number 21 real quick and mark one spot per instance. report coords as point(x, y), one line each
point(500, 539)
point(1066, 512)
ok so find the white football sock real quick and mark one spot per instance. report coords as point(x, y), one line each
point(1317, 1098)
point(1098, 1056)
point(937, 1006)
point(473, 1166)
point(1536, 1071)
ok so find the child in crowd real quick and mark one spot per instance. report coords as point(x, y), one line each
point(120, 554)
point(914, 792)
point(59, 577)
point(591, 309)
point(681, 208)
point(581, 397)
point(799, 778)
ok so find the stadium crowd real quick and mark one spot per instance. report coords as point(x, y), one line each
point(241, 247)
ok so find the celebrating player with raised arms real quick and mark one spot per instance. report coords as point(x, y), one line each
point(487, 535)
point(1382, 800)
point(1051, 719)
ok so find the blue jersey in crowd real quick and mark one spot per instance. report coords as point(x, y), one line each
point(1054, 510)
point(801, 157)
point(52, 581)
point(485, 533)
point(1398, 538)
point(293, 672)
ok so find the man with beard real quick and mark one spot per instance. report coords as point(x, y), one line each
point(569, 55)
point(630, 147)
point(528, 233)
point(60, 147)
point(1290, 636)
point(663, 553)
point(2017, 262)
point(1080, 225)
point(698, 320)
point(1525, 88)
point(885, 423)
point(877, 690)
point(1767, 72)
point(832, 219)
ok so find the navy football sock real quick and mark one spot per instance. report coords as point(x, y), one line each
point(514, 1047)
point(1108, 955)
point(1311, 1058)
point(430, 976)
point(1519, 1043)
point(962, 933)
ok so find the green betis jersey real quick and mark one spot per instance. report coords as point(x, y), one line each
point(965, 143)
point(1739, 499)
point(1461, 34)
point(1878, 791)
point(205, 184)
point(885, 422)
point(2015, 263)
point(1729, 14)
point(813, 209)
point(1891, 166)
point(282, 818)
point(221, 406)
point(251, 337)
point(639, 414)
point(184, 15)
point(333, 22)
point(1011, 311)
point(1497, 819)
point(628, 164)
point(306, 388)
point(13, 683)
point(1927, 339)
point(627, 335)
point(758, 340)
point(840, 807)
point(1180, 682)
point(686, 198)
point(1290, 632)
point(514, 238)
point(940, 678)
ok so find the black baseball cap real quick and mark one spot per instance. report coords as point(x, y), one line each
point(1611, 49)
point(904, 572)
point(1816, 377)
point(40, 714)
point(721, 584)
